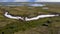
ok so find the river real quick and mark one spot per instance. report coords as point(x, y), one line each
point(29, 19)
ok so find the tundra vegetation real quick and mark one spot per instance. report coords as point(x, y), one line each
point(41, 26)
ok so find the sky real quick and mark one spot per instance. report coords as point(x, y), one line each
point(29, 0)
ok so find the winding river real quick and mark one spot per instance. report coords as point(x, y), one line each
point(28, 19)
point(12, 17)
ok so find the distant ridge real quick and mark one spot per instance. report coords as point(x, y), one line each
point(18, 3)
point(25, 3)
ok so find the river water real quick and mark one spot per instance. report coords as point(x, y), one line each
point(28, 19)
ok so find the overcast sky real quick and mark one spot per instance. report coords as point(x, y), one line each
point(29, 0)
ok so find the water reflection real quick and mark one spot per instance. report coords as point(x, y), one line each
point(12, 17)
point(39, 16)
point(37, 5)
point(26, 18)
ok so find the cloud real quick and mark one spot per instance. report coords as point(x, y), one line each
point(47, 1)
point(52, 1)
point(10, 0)
point(29, 0)
point(21, 1)
point(17, 0)
point(6, 0)
point(24, 1)
point(3, 0)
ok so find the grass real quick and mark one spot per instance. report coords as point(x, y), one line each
point(10, 26)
